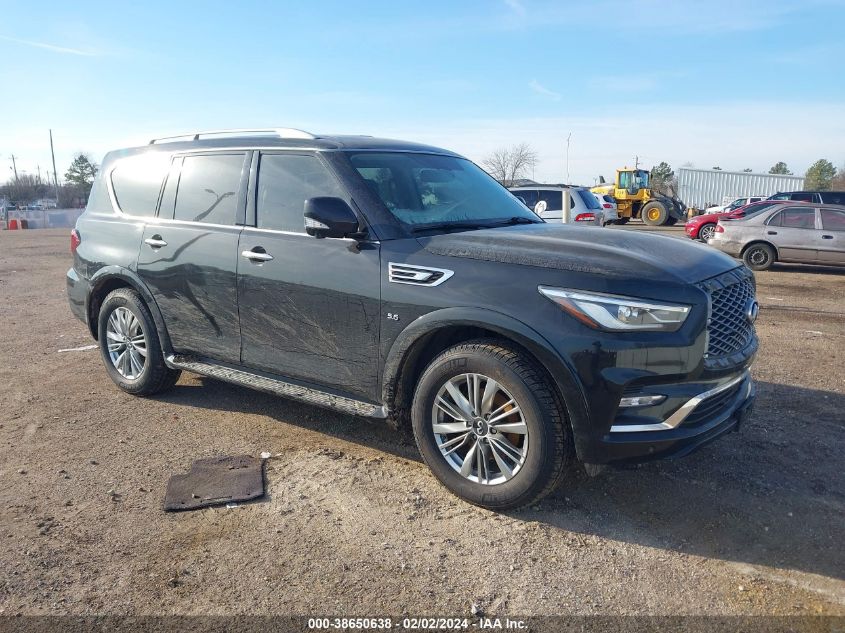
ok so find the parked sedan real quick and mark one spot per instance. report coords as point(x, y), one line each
point(703, 227)
point(787, 232)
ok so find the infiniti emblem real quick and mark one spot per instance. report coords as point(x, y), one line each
point(751, 310)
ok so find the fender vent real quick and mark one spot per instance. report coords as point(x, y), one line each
point(417, 275)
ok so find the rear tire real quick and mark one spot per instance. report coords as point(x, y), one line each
point(130, 346)
point(655, 213)
point(759, 256)
point(493, 467)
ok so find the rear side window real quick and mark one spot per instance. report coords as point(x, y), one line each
point(833, 219)
point(136, 182)
point(208, 188)
point(833, 197)
point(553, 199)
point(795, 218)
point(589, 199)
point(285, 182)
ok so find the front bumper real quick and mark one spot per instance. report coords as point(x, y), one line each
point(702, 419)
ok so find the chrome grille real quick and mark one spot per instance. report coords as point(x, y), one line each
point(729, 329)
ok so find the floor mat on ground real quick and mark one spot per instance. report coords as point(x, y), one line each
point(215, 481)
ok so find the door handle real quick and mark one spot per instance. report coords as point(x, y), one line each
point(827, 237)
point(155, 241)
point(771, 232)
point(257, 256)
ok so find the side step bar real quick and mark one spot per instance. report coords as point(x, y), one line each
point(276, 386)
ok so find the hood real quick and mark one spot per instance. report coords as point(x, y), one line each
point(600, 251)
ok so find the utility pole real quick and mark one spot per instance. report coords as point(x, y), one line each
point(38, 167)
point(568, 138)
point(55, 177)
point(15, 168)
point(636, 162)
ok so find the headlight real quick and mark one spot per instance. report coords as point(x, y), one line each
point(613, 312)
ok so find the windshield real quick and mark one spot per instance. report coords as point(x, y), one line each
point(428, 189)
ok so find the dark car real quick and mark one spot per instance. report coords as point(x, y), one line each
point(818, 197)
point(394, 280)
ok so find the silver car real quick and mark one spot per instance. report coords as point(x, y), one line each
point(790, 232)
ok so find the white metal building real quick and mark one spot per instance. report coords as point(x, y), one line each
point(701, 188)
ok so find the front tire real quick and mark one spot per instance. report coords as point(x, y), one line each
point(655, 213)
point(706, 231)
point(489, 426)
point(130, 346)
point(759, 256)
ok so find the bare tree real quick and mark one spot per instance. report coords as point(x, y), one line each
point(509, 164)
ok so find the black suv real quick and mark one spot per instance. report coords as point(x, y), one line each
point(395, 280)
point(819, 197)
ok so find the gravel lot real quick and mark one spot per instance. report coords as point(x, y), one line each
point(354, 524)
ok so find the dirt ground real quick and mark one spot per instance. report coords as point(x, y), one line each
point(354, 524)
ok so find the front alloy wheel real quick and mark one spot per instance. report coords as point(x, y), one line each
point(475, 408)
point(480, 429)
point(706, 232)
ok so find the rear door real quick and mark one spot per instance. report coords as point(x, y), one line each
point(832, 242)
point(309, 308)
point(793, 231)
point(188, 255)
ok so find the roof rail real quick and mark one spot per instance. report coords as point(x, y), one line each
point(281, 132)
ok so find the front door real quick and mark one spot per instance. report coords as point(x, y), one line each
point(793, 232)
point(189, 253)
point(309, 308)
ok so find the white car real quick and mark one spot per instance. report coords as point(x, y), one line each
point(547, 202)
point(610, 210)
point(736, 204)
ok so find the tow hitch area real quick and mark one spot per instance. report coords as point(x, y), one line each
point(215, 481)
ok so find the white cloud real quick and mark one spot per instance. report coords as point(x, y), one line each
point(516, 6)
point(540, 89)
point(732, 135)
point(51, 47)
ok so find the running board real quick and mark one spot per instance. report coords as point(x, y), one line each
point(277, 387)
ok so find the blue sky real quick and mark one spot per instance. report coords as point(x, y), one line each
point(730, 83)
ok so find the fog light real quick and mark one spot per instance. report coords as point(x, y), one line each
point(641, 401)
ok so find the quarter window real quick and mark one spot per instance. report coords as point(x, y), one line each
point(833, 197)
point(285, 182)
point(208, 188)
point(136, 182)
point(833, 219)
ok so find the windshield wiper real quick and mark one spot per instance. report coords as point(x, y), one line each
point(445, 226)
point(518, 219)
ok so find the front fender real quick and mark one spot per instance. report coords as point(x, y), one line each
point(508, 327)
point(109, 274)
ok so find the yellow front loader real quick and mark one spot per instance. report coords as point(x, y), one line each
point(635, 199)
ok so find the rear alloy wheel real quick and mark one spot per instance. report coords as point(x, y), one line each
point(759, 256)
point(489, 426)
point(706, 231)
point(130, 346)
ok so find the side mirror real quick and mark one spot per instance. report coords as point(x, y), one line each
point(329, 217)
